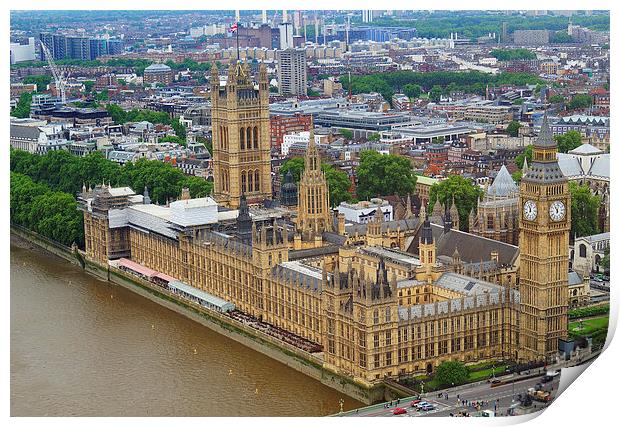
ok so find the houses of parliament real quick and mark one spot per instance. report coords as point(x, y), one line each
point(382, 299)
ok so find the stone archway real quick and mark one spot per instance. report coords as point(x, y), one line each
point(429, 368)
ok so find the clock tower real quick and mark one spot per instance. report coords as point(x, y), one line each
point(544, 229)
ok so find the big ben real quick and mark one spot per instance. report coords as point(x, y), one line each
point(544, 232)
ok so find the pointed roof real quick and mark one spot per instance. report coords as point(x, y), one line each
point(524, 170)
point(585, 149)
point(503, 184)
point(545, 137)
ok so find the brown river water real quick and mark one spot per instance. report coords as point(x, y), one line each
point(85, 347)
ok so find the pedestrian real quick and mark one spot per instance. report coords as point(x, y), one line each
point(457, 397)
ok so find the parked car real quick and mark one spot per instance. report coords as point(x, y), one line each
point(427, 406)
point(399, 411)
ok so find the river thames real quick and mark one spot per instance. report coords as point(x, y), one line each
point(85, 347)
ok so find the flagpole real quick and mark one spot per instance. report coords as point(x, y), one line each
point(237, 32)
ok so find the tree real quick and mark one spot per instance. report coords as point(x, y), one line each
point(556, 99)
point(516, 176)
point(412, 90)
point(41, 80)
point(605, 261)
point(102, 96)
point(584, 210)
point(451, 373)
point(88, 86)
point(580, 101)
point(513, 128)
point(569, 141)
point(338, 183)
point(296, 165)
point(337, 180)
point(512, 54)
point(435, 93)
point(462, 190)
point(179, 129)
point(173, 139)
point(374, 137)
point(22, 109)
point(384, 175)
point(347, 133)
point(198, 187)
point(561, 37)
point(527, 154)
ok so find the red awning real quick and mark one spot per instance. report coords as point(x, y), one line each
point(134, 266)
point(165, 277)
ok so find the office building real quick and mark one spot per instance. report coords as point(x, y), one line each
point(22, 51)
point(158, 73)
point(292, 72)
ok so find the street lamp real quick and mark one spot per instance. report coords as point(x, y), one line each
point(422, 385)
point(341, 405)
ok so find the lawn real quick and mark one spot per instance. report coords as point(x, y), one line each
point(587, 327)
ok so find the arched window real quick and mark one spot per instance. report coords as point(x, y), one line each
point(221, 137)
point(241, 138)
point(250, 181)
point(388, 315)
point(375, 317)
point(243, 190)
point(249, 137)
point(582, 250)
point(256, 181)
point(255, 136)
point(490, 222)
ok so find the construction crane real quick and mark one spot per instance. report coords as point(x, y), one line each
point(58, 77)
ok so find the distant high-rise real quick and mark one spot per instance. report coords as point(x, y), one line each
point(367, 15)
point(286, 35)
point(76, 47)
point(21, 51)
point(292, 72)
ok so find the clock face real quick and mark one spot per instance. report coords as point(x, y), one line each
point(557, 211)
point(529, 210)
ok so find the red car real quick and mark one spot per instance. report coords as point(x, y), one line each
point(415, 402)
point(399, 411)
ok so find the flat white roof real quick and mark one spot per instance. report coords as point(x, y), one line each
point(155, 210)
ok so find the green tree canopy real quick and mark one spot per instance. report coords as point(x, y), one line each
point(464, 192)
point(556, 99)
point(102, 96)
point(605, 261)
point(337, 180)
point(374, 137)
point(179, 129)
point(120, 116)
point(412, 90)
point(346, 133)
point(435, 93)
point(41, 80)
point(512, 54)
point(580, 101)
point(451, 373)
point(527, 154)
point(51, 214)
point(173, 139)
point(384, 175)
point(584, 210)
point(296, 165)
point(513, 128)
point(22, 109)
point(569, 141)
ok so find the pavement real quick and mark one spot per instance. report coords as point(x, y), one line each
point(498, 399)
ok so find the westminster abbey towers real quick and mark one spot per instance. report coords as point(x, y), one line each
point(241, 144)
point(543, 240)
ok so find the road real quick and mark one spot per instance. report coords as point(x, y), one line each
point(497, 399)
